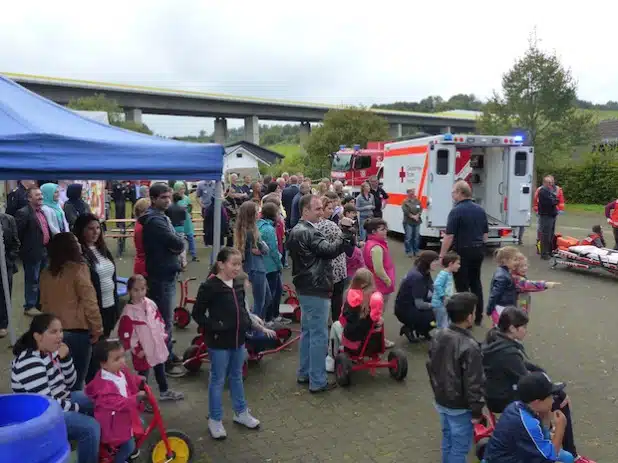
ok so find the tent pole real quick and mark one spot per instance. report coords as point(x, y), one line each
point(216, 233)
point(7, 291)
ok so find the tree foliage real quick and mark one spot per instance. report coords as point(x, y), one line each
point(436, 104)
point(342, 127)
point(539, 96)
point(100, 102)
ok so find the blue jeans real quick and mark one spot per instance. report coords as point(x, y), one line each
point(32, 272)
point(124, 451)
point(457, 433)
point(274, 283)
point(314, 340)
point(83, 429)
point(362, 233)
point(226, 362)
point(191, 241)
point(410, 243)
point(163, 293)
point(441, 317)
point(80, 348)
point(261, 293)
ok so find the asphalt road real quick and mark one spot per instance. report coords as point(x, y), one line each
point(572, 334)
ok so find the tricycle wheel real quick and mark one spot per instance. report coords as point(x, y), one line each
point(193, 364)
point(400, 370)
point(180, 446)
point(343, 369)
point(182, 317)
point(479, 448)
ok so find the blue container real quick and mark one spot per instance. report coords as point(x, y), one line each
point(32, 430)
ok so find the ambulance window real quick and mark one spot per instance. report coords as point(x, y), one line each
point(521, 163)
point(362, 162)
point(442, 162)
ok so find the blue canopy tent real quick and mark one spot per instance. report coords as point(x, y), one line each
point(42, 140)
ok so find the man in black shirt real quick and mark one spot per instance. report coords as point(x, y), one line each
point(547, 210)
point(379, 196)
point(466, 233)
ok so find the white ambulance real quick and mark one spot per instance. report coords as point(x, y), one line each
point(498, 168)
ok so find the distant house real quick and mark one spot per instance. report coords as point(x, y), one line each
point(244, 158)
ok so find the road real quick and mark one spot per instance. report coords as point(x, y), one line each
point(572, 334)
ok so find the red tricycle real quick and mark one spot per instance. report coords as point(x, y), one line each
point(173, 446)
point(291, 305)
point(356, 356)
point(182, 315)
point(197, 353)
point(482, 432)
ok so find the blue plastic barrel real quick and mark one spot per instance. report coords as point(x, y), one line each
point(32, 430)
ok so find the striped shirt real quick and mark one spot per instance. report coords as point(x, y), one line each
point(105, 269)
point(33, 372)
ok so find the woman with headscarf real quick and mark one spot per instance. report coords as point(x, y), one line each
point(75, 205)
point(181, 188)
point(54, 214)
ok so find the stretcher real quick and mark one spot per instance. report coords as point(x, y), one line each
point(570, 252)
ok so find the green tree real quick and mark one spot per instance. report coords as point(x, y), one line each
point(342, 127)
point(100, 102)
point(539, 95)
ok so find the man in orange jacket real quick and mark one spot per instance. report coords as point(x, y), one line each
point(547, 180)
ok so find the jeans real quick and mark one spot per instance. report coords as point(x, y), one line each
point(410, 243)
point(191, 241)
point(4, 313)
point(261, 293)
point(124, 451)
point(547, 229)
point(336, 300)
point(468, 278)
point(83, 429)
point(32, 272)
point(226, 362)
point(276, 289)
point(362, 233)
point(314, 340)
point(441, 317)
point(457, 432)
point(78, 342)
point(163, 293)
point(160, 377)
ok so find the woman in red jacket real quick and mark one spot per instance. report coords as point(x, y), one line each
point(139, 266)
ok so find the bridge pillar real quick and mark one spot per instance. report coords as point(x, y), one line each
point(220, 130)
point(133, 115)
point(395, 130)
point(446, 130)
point(252, 130)
point(305, 131)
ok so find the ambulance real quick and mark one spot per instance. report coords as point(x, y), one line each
point(498, 168)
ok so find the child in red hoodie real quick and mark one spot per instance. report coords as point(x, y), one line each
point(116, 397)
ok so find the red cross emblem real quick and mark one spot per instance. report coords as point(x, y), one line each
point(402, 174)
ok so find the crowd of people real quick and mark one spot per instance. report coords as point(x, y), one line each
point(343, 273)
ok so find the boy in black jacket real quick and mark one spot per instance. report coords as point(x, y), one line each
point(455, 370)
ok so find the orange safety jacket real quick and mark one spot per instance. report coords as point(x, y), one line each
point(559, 195)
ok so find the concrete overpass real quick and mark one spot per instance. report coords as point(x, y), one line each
point(138, 100)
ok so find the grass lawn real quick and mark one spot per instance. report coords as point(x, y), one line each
point(285, 149)
point(585, 208)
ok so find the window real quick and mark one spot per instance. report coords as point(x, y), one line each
point(521, 163)
point(239, 154)
point(362, 162)
point(442, 162)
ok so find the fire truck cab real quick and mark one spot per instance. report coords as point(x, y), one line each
point(498, 168)
point(353, 166)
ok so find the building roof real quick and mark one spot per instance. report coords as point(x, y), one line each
point(263, 154)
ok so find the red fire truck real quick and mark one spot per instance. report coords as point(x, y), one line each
point(354, 165)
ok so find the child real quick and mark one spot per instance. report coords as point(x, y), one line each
point(362, 287)
point(177, 214)
point(456, 375)
point(116, 396)
point(444, 287)
point(502, 291)
point(595, 238)
point(355, 261)
point(220, 310)
point(524, 286)
point(272, 260)
point(142, 332)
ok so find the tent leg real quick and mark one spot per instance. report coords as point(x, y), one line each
point(5, 286)
point(216, 233)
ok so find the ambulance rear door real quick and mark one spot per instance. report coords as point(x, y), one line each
point(518, 200)
point(440, 179)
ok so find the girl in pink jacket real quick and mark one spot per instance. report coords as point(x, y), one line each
point(142, 332)
point(116, 397)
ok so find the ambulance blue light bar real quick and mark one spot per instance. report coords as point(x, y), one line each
point(518, 139)
point(448, 137)
point(342, 147)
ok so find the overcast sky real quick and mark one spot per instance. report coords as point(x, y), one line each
point(333, 51)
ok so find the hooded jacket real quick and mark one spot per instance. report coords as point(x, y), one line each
point(502, 291)
point(272, 260)
point(505, 362)
point(162, 245)
point(75, 205)
point(355, 327)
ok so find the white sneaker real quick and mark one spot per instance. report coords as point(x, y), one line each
point(282, 320)
point(246, 419)
point(388, 344)
point(330, 364)
point(216, 429)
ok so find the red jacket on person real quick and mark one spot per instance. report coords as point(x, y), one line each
point(559, 196)
point(139, 265)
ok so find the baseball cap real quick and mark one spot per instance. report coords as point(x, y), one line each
point(537, 386)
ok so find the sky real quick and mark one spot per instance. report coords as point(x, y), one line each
point(334, 51)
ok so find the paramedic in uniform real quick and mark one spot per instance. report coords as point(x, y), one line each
point(466, 233)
